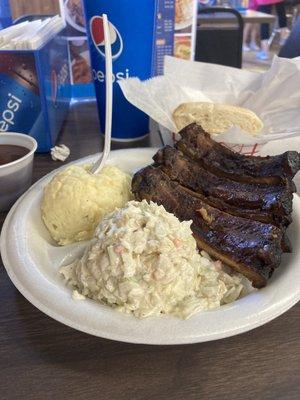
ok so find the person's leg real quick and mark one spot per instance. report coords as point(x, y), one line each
point(282, 22)
point(253, 37)
point(264, 28)
point(247, 29)
point(264, 33)
point(280, 10)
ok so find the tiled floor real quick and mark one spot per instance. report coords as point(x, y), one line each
point(251, 63)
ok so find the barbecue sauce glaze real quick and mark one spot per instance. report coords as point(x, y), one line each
point(10, 153)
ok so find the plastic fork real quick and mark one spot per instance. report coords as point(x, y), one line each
point(108, 100)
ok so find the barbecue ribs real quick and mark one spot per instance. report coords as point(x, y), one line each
point(250, 247)
point(240, 205)
point(277, 199)
point(223, 162)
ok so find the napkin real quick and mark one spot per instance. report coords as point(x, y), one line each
point(30, 35)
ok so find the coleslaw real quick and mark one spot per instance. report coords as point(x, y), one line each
point(144, 261)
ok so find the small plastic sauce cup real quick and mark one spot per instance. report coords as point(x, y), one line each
point(16, 176)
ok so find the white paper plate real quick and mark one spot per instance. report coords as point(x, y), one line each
point(32, 262)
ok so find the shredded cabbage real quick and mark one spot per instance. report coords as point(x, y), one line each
point(143, 260)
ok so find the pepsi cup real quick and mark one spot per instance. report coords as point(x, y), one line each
point(131, 24)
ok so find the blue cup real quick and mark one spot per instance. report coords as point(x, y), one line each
point(132, 31)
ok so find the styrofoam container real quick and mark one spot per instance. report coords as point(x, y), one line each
point(15, 177)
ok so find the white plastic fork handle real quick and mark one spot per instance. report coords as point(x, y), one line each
point(108, 100)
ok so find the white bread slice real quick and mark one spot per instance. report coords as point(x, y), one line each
point(216, 118)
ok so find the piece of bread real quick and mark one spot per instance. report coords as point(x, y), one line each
point(216, 118)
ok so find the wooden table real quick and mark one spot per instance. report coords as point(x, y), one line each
point(42, 359)
point(248, 16)
point(258, 17)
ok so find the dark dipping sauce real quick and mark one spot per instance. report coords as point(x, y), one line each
point(10, 153)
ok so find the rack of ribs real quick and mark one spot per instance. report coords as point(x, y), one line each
point(250, 247)
point(215, 157)
point(276, 199)
point(240, 205)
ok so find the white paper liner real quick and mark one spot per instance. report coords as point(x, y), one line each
point(273, 95)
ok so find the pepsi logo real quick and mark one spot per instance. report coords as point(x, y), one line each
point(97, 34)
